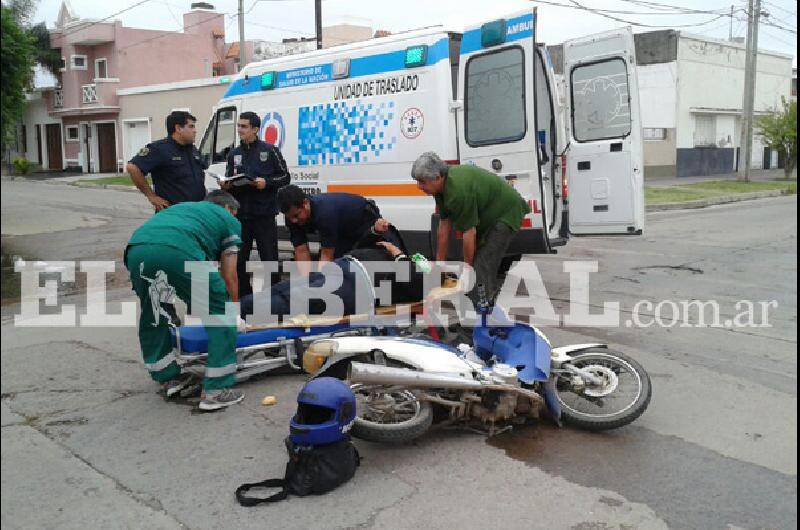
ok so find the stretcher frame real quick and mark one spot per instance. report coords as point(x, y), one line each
point(281, 345)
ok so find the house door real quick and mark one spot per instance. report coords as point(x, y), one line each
point(39, 144)
point(107, 147)
point(54, 155)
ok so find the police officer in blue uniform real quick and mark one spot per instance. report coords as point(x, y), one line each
point(174, 164)
point(342, 220)
point(262, 171)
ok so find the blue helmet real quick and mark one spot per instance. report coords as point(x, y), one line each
point(326, 408)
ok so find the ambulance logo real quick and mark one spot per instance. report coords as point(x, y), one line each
point(272, 129)
point(412, 123)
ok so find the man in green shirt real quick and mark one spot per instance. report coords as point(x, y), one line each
point(478, 203)
point(156, 258)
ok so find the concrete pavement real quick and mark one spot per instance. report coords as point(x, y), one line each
point(85, 435)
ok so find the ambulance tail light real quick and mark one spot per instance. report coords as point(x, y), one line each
point(527, 221)
point(564, 185)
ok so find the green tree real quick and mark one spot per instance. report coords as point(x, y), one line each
point(48, 57)
point(16, 62)
point(21, 10)
point(779, 130)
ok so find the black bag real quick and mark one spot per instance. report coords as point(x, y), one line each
point(311, 470)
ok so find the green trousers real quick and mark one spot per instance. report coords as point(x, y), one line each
point(158, 277)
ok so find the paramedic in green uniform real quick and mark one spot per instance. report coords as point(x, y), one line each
point(156, 256)
point(478, 203)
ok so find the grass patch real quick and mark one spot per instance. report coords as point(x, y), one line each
point(123, 180)
point(734, 186)
point(712, 189)
point(666, 195)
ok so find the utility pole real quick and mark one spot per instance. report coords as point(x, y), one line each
point(318, 22)
point(241, 35)
point(730, 27)
point(751, 67)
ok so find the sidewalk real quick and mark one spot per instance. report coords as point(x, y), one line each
point(61, 176)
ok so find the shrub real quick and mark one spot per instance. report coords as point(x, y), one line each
point(23, 166)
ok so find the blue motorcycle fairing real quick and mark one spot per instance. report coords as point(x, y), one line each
point(519, 346)
point(194, 339)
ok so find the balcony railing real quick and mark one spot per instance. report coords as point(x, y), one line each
point(58, 99)
point(89, 93)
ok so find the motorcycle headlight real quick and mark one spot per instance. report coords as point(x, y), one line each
point(316, 354)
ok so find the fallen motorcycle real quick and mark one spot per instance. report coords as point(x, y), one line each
point(510, 374)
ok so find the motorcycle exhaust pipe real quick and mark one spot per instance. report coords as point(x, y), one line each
point(371, 374)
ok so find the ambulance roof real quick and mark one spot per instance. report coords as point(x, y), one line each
point(335, 52)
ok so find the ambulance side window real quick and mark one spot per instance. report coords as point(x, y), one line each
point(600, 101)
point(495, 97)
point(225, 133)
point(208, 139)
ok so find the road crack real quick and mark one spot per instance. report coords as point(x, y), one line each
point(138, 497)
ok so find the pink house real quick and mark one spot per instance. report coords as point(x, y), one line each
point(100, 58)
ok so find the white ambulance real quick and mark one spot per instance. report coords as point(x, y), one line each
point(354, 118)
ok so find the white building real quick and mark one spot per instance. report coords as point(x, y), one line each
point(263, 50)
point(691, 93)
point(38, 138)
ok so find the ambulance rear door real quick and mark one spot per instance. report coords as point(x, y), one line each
point(604, 160)
point(496, 112)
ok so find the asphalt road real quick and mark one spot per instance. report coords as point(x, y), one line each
point(87, 442)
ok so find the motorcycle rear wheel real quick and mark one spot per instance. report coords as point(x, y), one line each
point(622, 398)
point(389, 417)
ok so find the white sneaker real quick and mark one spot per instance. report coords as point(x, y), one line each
point(221, 399)
point(173, 386)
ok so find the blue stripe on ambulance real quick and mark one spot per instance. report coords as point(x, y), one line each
point(359, 67)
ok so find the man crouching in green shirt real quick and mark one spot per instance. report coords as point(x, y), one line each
point(156, 257)
point(478, 203)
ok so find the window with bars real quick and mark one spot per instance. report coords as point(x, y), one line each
point(705, 131)
point(654, 134)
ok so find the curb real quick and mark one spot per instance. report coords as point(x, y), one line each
point(688, 205)
point(117, 187)
point(704, 203)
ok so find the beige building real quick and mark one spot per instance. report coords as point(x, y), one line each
point(143, 110)
point(344, 34)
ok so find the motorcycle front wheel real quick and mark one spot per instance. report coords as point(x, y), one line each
point(389, 415)
point(622, 397)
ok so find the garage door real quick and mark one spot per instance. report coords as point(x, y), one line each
point(137, 134)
